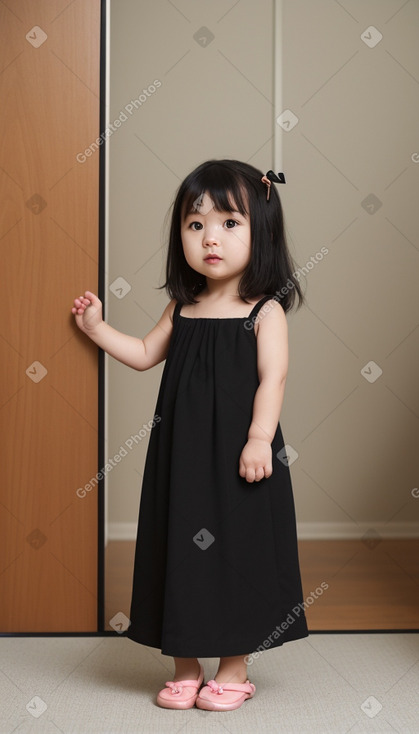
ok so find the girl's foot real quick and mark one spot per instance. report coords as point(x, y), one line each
point(224, 697)
point(182, 692)
point(230, 687)
point(222, 677)
point(231, 670)
point(187, 669)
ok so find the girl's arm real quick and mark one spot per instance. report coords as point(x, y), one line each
point(272, 361)
point(140, 354)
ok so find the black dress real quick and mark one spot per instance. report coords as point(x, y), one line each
point(216, 569)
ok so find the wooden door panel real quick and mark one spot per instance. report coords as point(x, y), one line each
point(49, 249)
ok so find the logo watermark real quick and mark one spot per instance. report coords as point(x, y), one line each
point(130, 109)
point(291, 617)
point(310, 264)
point(132, 441)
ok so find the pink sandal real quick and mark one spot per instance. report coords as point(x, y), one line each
point(224, 696)
point(180, 694)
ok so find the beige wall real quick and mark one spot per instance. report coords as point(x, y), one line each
point(357, 111)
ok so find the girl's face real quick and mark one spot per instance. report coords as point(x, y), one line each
point(226, 235)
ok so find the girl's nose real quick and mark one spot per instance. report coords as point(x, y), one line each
point(211, 236)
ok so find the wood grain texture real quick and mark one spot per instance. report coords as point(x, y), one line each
point(49, 253)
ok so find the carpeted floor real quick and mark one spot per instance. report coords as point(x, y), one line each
point(327, 683)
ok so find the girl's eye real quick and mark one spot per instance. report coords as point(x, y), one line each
point(230, 224)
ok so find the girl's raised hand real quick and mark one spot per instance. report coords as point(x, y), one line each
point(88, 311)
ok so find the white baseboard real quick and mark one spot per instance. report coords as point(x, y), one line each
point(310, 530)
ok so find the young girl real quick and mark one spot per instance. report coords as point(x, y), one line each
point(216, 569)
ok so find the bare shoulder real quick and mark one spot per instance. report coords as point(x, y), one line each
point(272, 306)
point(271, 318)
point(166, 318)
point(170, 308)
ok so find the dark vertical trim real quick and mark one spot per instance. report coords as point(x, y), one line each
point(101, 355)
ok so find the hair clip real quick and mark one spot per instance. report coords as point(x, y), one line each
point(271, 176)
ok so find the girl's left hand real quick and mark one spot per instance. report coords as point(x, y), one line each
point(255, 461)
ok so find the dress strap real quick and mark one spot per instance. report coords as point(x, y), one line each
point(253, 312)
point(258, 305)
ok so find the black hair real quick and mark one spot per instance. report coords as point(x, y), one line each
point(231, 184)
